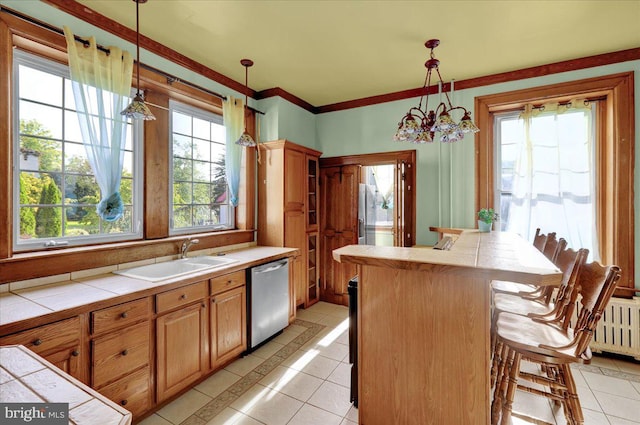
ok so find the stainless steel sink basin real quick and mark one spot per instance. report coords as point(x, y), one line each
point(175, 268)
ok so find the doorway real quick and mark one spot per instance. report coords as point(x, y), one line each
point(381, 186)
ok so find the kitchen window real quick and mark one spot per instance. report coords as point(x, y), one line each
point(613, 167)
point(199, 193)
point(55, 191)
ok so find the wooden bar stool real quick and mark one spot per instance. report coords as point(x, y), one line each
point(554, 347)
point(569, 261)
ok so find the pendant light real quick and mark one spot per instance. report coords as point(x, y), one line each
point(137, 109)
point(420, 125)
point(246, 139)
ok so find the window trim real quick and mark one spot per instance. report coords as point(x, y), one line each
point(175, 105)
point(615, 170)
point(21, 57)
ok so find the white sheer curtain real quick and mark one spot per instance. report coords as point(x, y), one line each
point(554, 175)
point(233, 116)
point(101, 86)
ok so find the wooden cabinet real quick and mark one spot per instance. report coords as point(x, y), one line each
point(61, 343)
point(228, 324)
point(339, 227)
point(121, 353)
point(288, 208)
point(182, 341)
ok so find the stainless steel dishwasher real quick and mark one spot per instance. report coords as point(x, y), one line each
point(268, 302)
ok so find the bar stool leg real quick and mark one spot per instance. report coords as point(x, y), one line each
point(514, 371)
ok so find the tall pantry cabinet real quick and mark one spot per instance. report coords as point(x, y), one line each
point(288, 207)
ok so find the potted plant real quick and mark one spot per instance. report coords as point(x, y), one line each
point(486, 217)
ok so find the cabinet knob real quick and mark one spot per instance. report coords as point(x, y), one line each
point(123, 402)
point(125, 352)
point(37, 342)
point(75, 353)
point(124, 315)
point(183, 296)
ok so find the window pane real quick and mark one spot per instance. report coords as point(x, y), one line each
point(40, 86)
point(198, 170)
point(57, 189)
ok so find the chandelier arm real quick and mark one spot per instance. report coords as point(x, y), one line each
point(445, 92)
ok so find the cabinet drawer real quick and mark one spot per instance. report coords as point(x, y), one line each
point(119, 316)
point(132, 392)
point(48, 337)
point(181, 296)
point(228, 281)
point(117, 354)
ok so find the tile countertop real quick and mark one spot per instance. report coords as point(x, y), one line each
point(21, 309)
point(26, 378)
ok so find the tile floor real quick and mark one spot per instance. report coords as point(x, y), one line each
point(302, 378)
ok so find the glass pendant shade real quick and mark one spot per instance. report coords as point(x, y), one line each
point(419, 125)
point(138, 110)
point(246, 140)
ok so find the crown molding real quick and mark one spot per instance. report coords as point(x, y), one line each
point(96, 19)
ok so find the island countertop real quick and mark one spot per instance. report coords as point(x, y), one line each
point(494, 255)
point(423, 325)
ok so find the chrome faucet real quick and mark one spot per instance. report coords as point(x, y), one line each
point(186, 245)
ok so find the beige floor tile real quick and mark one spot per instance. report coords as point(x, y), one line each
point(587, 399)
point(230, 416)
point(348, 422)
point(267, 405)
point(628, 366)
point(327, 347)
point(155, 420)
point(578, 378)
point(590, 417)
point(341, 375)
point(267, 350)
point(184, 406)
point(332, 397)
point(611, 385)
point(537, 407)
point(311, 415)
point(343, 338)
point(333, 321)
point(352, 414)
point(286, 336)
point(312, 363)
point(321, 308)
point(604, 362)
point(217, 383)
point(292, 382)
point(613, 420)
point(636, 386)
point(244, 365)
point(621, 407)
point(339, 311)
point(309, 316)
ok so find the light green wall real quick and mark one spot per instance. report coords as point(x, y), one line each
point(445, 172)
point(285, 120)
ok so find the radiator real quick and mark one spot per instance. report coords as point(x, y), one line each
point(618, 330)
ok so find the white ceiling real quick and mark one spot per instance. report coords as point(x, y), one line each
point(332, 51)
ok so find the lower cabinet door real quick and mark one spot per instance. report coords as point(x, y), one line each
point(182, 349)
point(228, 325)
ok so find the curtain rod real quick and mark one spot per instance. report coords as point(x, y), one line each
point(568, 102)
point(170, 78)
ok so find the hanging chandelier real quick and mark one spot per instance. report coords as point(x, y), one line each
point(421, 125)
point(138, 109)
point(245, 139)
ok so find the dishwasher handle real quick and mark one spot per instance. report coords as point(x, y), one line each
point(270, 266)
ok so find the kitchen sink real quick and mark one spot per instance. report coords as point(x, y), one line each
point(175, 268)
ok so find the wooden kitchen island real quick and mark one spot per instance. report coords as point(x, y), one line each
point(424, 325)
